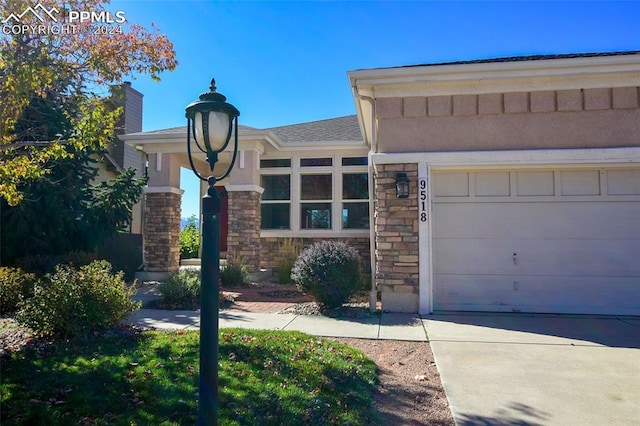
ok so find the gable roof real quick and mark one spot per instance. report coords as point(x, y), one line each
point(179, 130)
point(340, 129)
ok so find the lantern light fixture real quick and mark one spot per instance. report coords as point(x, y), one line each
point(211, 121)
point(402, 185)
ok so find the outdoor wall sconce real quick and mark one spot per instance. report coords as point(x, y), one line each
point(402, 185)
point(211, 121)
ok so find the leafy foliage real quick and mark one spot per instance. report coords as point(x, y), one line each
point(180, 290)
point(49, 85)
point(235, 273)
point(65, 212)
point(277, 377)
point(15, 286)
point(73, 302)
point(124, 252)
point(190, 240)
point(329, 271)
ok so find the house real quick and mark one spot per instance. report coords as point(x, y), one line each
point(524, 185)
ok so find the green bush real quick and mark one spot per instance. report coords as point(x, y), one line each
point(180, 290)
point(124, 252)
point(330, 272)
point(38, 264)
point(15, 287)
point(190, 240)
point(41, 264)
point(75, 301)
point(77, 258)
point(234, 274)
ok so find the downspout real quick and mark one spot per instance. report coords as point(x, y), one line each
point(373, 294)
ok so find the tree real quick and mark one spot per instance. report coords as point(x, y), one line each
point(50, 85)
point(190, 239)
point(64, 212)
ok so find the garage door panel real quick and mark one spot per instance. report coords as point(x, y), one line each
point(550, 256)
point(537, 220)
point(499, 293)
point(575, 233)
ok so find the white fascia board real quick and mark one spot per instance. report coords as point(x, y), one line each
point(167, 144)
point(255, 141)
point(324, 146)
point(479, 78)
point(265, 138)
point(514, 157)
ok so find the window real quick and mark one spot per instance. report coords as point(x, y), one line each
point(315, 214)
point(315, 194)
point(355, 204)
point(315, 187)
point(355, 161)
point(316, 162)
point(276, 201)
point(280, 162)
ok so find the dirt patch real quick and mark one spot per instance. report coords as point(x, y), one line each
point(410, 391)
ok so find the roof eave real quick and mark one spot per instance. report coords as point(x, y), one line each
point(484, 77)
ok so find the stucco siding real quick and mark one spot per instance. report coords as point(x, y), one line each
point(589, 118)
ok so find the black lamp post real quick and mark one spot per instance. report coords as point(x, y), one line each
point(211, 121)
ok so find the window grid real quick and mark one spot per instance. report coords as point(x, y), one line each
point(337, 200)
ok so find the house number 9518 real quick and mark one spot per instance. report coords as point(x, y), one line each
point(423, 203)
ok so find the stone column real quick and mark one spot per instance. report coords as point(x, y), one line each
point(162, 230)
point(243, 240)
point(396, 230)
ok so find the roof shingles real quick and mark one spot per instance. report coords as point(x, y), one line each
point(341, 129)
point(333, 129)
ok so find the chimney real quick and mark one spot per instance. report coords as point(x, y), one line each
point(130, 99)
point(132, 108)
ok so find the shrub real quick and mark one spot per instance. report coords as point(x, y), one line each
point(38, 264)
point(15, 286)
point(189, 240)
point(77, 258)
point(288, 251)
point(124, 252)
point(73, 302)
point(330, 272)
point(235, 273)
point(41, 264)
point(180, 290)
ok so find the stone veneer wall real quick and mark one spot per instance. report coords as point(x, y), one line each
point(162, 232)
point(270, 249)
point(396, 229)
point(243, 239)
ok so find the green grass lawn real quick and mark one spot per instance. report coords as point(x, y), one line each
point(150, 378)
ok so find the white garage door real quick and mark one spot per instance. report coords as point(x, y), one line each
point(562, 241)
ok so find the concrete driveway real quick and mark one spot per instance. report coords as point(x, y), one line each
point(502, 369)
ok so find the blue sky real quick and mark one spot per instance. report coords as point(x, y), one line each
point(286, 62)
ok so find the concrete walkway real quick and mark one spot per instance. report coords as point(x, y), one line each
point(538, 369)
point(385, 326)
